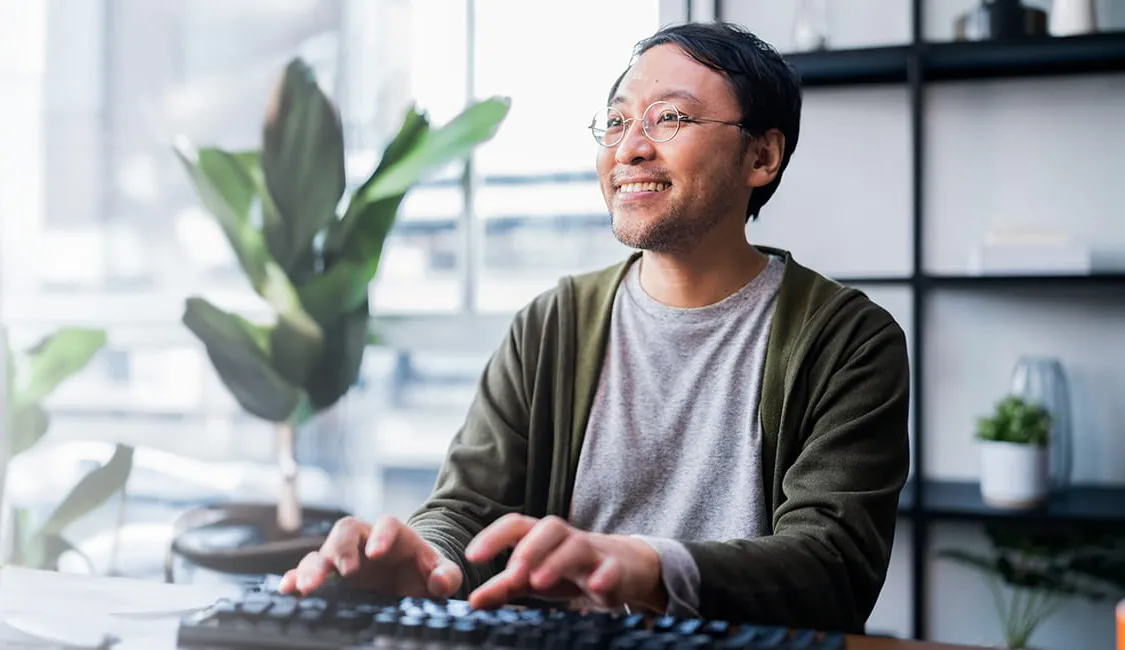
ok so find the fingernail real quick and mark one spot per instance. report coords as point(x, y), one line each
point(437, 582)
point(376, 545)
point(472, 548)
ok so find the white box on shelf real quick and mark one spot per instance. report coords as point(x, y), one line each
point(1031, 259)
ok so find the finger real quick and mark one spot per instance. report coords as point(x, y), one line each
point(384, 536)
point(538, 543)
point(342, 547)
point(503, 533)
point(311, 572)
point(392, 540)
point(575, 559)
point(445, 579)
point(498, 591)
point(288, 582)
point(605, 581)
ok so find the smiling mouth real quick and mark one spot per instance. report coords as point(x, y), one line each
point(633, 188)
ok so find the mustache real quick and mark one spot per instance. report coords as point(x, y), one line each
point(654, 176)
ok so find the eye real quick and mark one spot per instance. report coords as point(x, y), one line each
point(614, 122)
point(667, 117)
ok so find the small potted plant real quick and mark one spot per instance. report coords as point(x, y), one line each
point(1014, 456)
point(1033, 571)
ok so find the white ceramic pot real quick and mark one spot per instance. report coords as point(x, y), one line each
point(1013, 475)
point(1072, 17)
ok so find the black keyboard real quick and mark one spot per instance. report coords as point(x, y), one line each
point(263, 619)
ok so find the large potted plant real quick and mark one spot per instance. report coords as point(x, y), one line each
point(310, 251)
point(31, 377)
point(1014, 469)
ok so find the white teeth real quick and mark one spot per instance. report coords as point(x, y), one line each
point(644, 187)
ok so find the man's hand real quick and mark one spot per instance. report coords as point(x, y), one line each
point(388, 557)
point(553, 560)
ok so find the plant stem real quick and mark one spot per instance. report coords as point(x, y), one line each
point(115, 550)
point(289, 505)
point(994, 586)
point(1014, 631)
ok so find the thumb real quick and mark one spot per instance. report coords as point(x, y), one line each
point(445, 579)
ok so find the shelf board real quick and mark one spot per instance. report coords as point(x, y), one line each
point(1030, 57)
point(1028, 280)
point(951, 61)
point(873, 279)
point(846, 67)
point(1116, 279)
point(961, 501)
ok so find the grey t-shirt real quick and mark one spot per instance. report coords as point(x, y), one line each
point(673, 446)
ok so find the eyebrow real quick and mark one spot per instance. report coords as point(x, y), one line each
point(664, 96)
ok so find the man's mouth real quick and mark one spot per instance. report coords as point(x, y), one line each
point(633, 188)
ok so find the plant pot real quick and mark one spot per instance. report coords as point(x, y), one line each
point(245, 539)
point(1013, 475)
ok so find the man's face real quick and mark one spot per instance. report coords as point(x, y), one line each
point(666, 196)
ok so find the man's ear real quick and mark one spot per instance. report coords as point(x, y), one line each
point(765, 158)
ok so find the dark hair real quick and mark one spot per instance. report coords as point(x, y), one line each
point(767, 88)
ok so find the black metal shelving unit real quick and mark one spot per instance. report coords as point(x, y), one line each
point(918, 64)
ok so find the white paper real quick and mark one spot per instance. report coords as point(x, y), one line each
point(77, 610)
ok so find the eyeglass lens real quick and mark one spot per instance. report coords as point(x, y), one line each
point(660, 123)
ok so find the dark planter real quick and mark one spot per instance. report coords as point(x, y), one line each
point(244, 539)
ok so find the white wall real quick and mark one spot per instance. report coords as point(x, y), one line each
point(1043, 152)
point(846, 187)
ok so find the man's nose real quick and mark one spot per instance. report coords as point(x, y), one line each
point(635, 146)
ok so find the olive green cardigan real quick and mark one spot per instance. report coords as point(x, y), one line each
point(835, 451)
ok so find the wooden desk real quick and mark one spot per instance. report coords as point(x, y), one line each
point(879, 643)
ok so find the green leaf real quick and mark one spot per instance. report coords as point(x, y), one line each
point(374, 334)
point(272, 227)
point(357, 240)
point(9, 372)
point(345, 344)
point(302, 158)
point(357, 224)
point(29, 423)
point(981, 563)
point(338, 291)
point(55, 359)
point(51, 549)
point(92, 490)
point(236, 351)
point(227, 190)
point(302, 414)
point(374, 222)
point(294, 353)
point(476, 124)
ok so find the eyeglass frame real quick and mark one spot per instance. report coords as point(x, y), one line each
point(681, 118)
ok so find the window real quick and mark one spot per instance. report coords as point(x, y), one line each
point(100, 228)
point(539, 205)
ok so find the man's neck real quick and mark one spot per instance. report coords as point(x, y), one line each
point(702, 276)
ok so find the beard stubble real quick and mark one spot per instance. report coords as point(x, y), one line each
point(681, 224)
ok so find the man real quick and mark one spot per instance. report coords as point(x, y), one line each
point(706, 429)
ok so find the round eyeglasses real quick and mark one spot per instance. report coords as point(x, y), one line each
point(660, 123)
